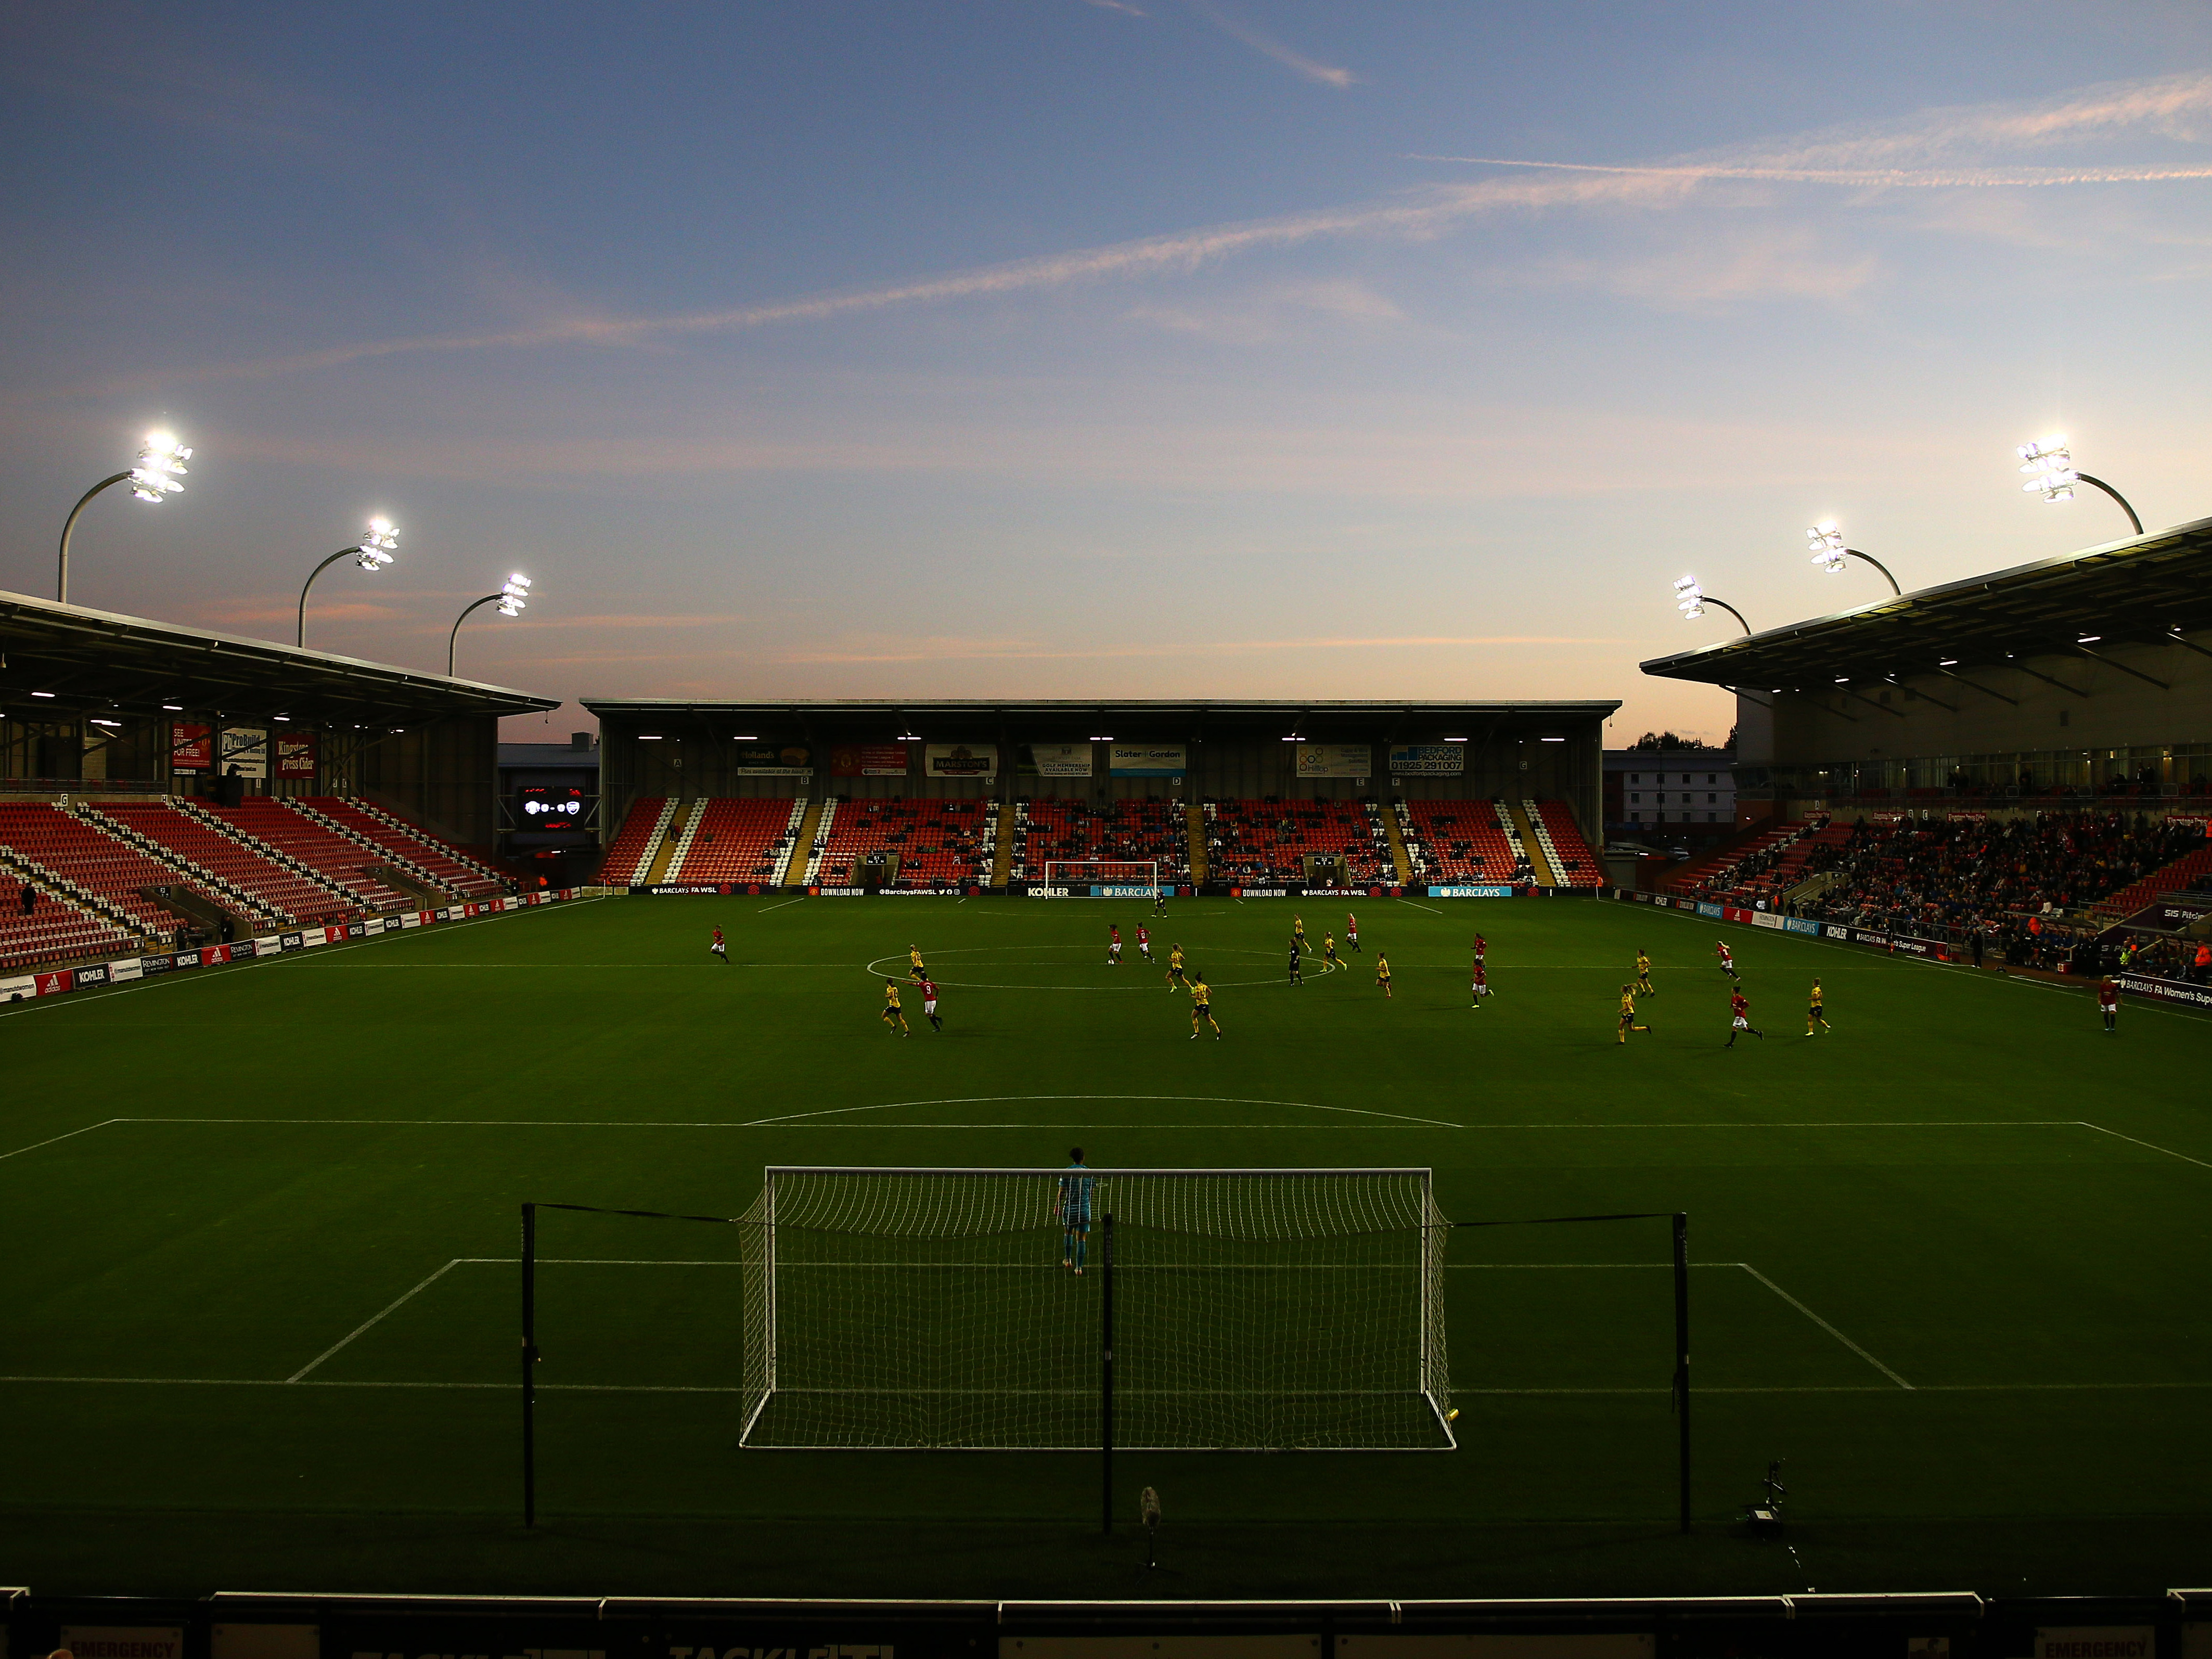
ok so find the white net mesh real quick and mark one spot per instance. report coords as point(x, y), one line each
point(1254, 1309)
point(1122, 878)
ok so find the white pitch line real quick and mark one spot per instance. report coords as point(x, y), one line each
point(2168, 1151)
point(365, 1324)
point(765, 909)
point(35, 1144)
point(977, 1100)
point(1826, 1326)
point(1430, 908)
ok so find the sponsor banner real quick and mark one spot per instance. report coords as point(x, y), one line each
point(1260, 892)
point(1833, 930)
point(268, 946)
point(23, 987)
point(84, 976)
point(295, 753)
point(1766, 919)
point(2166, 990)
point(868, 760)
point(2169, 918)
point(353, 930)
point(1428, 759)
point(2203, 821)
point(1888, 817)
point(1968, 817)
point(289, 941)
point(960, 760)
point(122, 973)
point(414, 919)
point(1470, 892)
point(1122, 892)
point(769, 760)
point(124, 1641)
point(154, 964)
point(836, 892)
point(244, 751)
point(1729, 913)
point(1048, 892)
point(931, 892)
point(310, 938)
point(1148, 760)
point(1801, 924)
point(1061, 759)
point(2096, 1642)
point(1335, 760)
point(1344, 892)
point(52, 984)
point(665, 888)
point(1706, 908)
point(192, 748)
point(184, 959)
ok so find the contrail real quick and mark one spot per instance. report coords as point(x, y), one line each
point(1881, 178)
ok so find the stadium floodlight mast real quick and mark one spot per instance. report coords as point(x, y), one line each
point(1691, 600)
point(512, 598)
point(2049, 468)
point(372, 553)
point(156, 478)
point(1825, 539)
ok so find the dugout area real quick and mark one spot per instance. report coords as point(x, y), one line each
point(267, 1319)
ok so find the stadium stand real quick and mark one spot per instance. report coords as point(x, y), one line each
point(316, 848)
point(1270, 840)
point(2186, 873)
point(937, 842)
point(98, 865)
point(1459, 840)
point(1761, 865)
point(738, 840)
point(1564, 849)
point(1961, 872)
point(52, 930)
point(403, 844)
point(1147, 831)
point(287, 891)
point(631, 851)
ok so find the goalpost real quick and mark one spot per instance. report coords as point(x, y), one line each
point(1247, 1310)
point(1120, 878)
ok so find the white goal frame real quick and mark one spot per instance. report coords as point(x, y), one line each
point(1149, 886)
point(1394, 1207)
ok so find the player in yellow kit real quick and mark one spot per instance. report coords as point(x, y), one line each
point(1628, 1012)
point(1201, 1006)
point(892, 1015)
point(1644, 975)
point(1812, 1014)
point(1383, 971)
point(1175, 968)
point(915, 971)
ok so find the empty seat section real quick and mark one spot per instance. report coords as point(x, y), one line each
point(1269, 841)
point(1458, 840)
point(939, 844)
point(417, 847)
point(283, 888)
point(740, 841)
point(634, 841)
point(328, 854)
point(95, 862)
point(1576, 866)
point(53, 931)
point(1123, 831)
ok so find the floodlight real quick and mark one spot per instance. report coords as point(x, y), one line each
point(2050, 467)
point(1826, 539)
point(1689, 599)
point(161, 465)
point(378, 546)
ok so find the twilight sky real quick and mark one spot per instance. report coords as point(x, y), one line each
point(1062, 348)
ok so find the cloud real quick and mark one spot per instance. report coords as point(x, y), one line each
point(1267, 46)
point(1274, 313)
point(1941, 142)
point(1116, 5)
point(1706, 273)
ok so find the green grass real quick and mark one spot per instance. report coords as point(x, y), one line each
point(1968, 1188)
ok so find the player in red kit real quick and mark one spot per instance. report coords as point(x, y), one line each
point(1728, 962)
point(1350, 931)
point(1114, 947)
point(1740, 1018)
point(2108, 1000)
point(719, 949)
point(929, 1003)
point(1482, 981)
point(1143, 943)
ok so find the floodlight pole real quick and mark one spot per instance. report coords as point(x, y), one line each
point(1707, 598)
point(453, 640)
point(2080, 476)
point(528, 1365)
point(1682, 1351)
point(299, 635)
point(1853, 553)
point(61, 579)
point(1106, 1371)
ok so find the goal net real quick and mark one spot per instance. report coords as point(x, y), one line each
point(1114, 877)
point(1257, 1310)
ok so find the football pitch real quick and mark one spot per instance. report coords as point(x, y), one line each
point(261, 1241)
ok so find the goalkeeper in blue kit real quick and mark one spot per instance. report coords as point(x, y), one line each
point(1075, 1212)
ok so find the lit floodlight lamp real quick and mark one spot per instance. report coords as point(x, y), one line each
point(2049, 465)
point(158, 476)
point(512, 599)
point(1825, 539)
point(372, 553)
point(1691, 600)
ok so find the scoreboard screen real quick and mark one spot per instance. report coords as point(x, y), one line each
point(554, 807)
